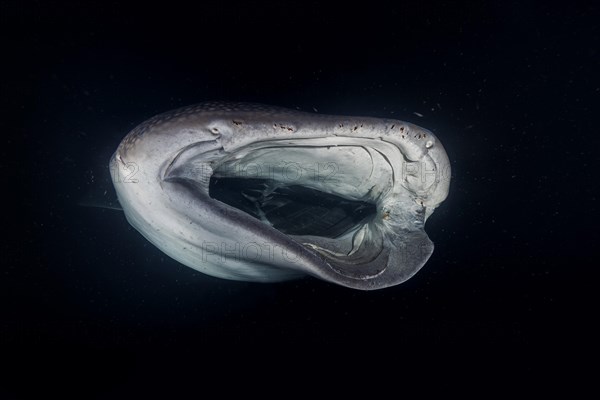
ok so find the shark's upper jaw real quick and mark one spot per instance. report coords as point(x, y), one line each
point(347, 208)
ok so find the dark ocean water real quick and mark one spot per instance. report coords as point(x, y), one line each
point(90, 307)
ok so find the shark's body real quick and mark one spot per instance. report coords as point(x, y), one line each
point(257, 193)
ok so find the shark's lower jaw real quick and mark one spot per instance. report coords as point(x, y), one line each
point(230, 193)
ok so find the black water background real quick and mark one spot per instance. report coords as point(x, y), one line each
point(88, 304)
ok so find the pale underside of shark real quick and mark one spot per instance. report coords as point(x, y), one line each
point(258, 193)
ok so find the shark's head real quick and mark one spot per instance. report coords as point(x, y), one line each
point(258, 193)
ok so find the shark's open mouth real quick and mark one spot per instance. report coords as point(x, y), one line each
point(339, 196)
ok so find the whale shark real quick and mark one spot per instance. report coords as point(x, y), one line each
point(260, 193)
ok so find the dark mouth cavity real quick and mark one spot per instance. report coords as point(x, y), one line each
point(292, 209)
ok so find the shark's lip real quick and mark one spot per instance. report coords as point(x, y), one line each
point(383, 252)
